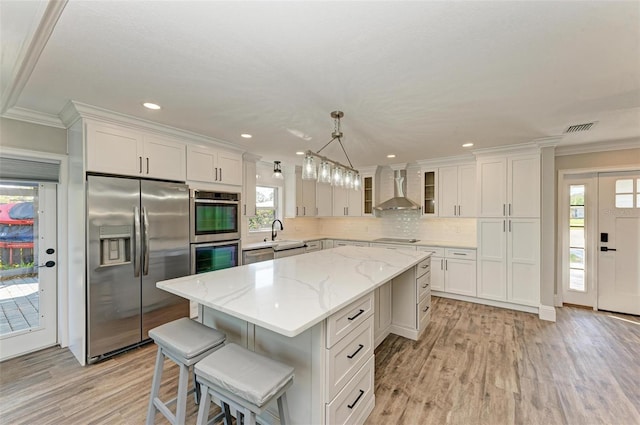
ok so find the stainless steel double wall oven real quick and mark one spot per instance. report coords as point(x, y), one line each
point(215, 230)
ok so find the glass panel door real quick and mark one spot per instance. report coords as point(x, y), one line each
point(27, 267)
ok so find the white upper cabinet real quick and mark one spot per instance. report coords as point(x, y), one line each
point(347, 202)
point(456, 191)
point(509, 186)
point(249, 186)
point(305, 196)
point(211, 165)
point(324, 201)
point(118, 150)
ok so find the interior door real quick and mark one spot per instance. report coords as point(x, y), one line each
point(28, 289)
point(619, 230)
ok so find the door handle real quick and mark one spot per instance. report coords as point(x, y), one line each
point(136, 249)
point(605, 249)
point(360, 347)
point(147, 165)
point(145, 230)
point(48, 264)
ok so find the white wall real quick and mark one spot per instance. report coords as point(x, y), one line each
point(24, 135)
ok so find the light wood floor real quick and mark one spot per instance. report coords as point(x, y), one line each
point(474, 365)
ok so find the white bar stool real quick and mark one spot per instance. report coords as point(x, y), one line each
point(186, 342)
point(244, 380)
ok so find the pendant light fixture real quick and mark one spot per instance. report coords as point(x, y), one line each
point(277, 171)
point(330, 171)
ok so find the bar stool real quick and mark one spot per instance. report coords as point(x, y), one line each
point(245, 381)
point(185, 342)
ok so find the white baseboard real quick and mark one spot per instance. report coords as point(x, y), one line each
point(493, 303)
point(405, 332)
point(547, 312)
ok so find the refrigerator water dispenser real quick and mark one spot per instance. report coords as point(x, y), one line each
point(115, 245)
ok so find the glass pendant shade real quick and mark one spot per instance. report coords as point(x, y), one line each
point(348, 179)
point(277, 171)
point(309, 171)
point(338, 179)
point(357, 182)
point(325, 172)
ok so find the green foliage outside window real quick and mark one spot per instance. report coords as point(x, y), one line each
point(266, 208)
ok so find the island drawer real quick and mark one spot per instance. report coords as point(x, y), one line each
point(423, 267)
point(354, 403)
point(424, 311)
point(342, 322)
point(423, 285)
point(346, 357)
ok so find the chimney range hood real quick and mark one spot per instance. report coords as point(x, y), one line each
point(399, 202)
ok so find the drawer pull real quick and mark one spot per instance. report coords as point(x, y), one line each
point(360, 347)
point(425, 266)
point(357, 314)
point(459, 253)
point(426, 309)
point(352, 405)
point(425, 285)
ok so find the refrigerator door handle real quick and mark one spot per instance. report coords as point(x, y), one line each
point(145, 231)
point(135, 246)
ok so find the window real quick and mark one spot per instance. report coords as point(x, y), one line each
point(577, 237)
point(625, 193)
point(266, 209)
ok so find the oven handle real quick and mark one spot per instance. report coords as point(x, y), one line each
point(213, 201)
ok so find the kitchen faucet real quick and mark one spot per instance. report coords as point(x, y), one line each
point(274, 234)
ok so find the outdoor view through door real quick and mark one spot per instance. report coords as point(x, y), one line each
point(27, 267)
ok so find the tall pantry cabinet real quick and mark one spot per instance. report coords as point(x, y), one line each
point(509, 228)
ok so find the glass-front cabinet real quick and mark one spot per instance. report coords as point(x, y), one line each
point(429, 192)
point(369, 198)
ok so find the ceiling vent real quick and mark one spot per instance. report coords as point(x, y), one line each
point(579, 127)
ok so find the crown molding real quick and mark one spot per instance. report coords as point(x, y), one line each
point(445, 161)
point(520, 148)
point(76, 110)
point(611, 145)
point(32, 54)
point(34, 117)
point(548, 142)
point(248, 156)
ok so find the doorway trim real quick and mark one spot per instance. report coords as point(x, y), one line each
point(62, 304)
point(560, 227)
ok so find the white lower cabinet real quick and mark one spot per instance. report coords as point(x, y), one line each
point(337, 243)
point(409, 292)
point(350, 363)
point(312, 246)
point(453, 270)
point(382, 316)
point(509, 260)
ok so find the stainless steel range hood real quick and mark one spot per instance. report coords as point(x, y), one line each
point(399, 200)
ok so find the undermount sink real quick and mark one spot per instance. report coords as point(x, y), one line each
point(279, 245)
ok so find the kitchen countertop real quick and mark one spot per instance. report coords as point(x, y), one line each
point(308, 238)
point(292, 294)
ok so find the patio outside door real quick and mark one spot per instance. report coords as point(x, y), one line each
point(619, 235)
point(28, 276)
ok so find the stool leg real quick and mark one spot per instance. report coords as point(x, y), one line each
point(205, 402)
point(227, 414)
point(183, 388)
point(250, 417)
point(283, 410)
point(155, 387)
point(196, 393)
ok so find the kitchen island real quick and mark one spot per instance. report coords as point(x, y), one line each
point(316, 312)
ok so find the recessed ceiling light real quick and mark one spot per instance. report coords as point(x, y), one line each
point(467, 145)
point(246, 135)
point(150, 105)
point(391, 156)
point(299, 153)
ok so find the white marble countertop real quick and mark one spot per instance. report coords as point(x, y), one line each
point(290, 295)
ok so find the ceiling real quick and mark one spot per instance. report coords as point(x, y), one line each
point(414, 79)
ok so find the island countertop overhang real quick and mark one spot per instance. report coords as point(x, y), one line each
point(292, 294)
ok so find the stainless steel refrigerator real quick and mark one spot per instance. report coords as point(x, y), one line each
point(137, 235)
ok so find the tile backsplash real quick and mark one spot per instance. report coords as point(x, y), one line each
point(453, 231)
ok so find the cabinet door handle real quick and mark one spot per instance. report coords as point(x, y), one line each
point(304, 211)
point(297, 214)
point(509, 209)
point(441, 264)
point(244, 209)
point(147, 165)
point(360, 347)
point(504, 209)
point(424, 267)
point(352, 405)
point(357, 314)
point(140, 158)
point(459, 210)
point(454, 210)
point(220, 174)
point(425, 285)
point(216, 177)
point(426, 309)
point(446, 265)
point(504, 226)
